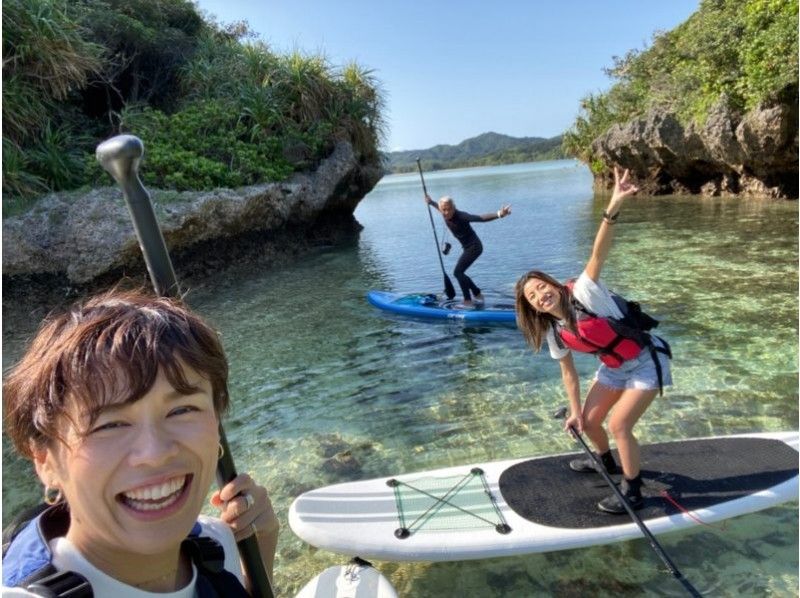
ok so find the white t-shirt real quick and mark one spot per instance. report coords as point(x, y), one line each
point(67, 558)
point(595, 297)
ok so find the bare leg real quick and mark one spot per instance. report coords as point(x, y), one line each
point(629, 408)
point(599, 401)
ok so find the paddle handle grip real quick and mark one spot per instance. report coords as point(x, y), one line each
point(120, 156)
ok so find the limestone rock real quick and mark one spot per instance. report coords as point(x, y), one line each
point(87, 236)
point(764, 136)
point(719, 134)
point(753, 154)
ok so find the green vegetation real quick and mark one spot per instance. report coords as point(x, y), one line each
point(488, 149)
point(214, 106)
point(45, 57)
point(743, 50)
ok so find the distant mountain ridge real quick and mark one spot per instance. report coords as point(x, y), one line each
point(484, 150)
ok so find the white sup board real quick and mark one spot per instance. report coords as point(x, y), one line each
point(355, 580)
point(537, 505)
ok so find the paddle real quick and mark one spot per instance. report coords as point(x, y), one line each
point(448, 286)
point(562, 414)
point(120, 157)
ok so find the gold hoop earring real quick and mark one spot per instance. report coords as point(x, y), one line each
point(52, 495)
point(220, 451)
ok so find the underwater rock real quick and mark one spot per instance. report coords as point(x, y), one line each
point(343, 463)
point(332, 444)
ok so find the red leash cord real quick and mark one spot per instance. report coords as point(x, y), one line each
point(664, 494)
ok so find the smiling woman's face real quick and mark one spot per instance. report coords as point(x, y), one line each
point(136, 478)
point(542, 296)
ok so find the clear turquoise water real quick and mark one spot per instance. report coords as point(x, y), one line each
point(316, 370)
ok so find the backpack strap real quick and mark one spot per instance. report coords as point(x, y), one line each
point(51, 583)
point(213, 580)
point(654, 350)
point(206, 553)
point(557, 336)
point(570, 285)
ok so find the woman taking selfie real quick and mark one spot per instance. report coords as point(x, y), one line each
point(117, 403)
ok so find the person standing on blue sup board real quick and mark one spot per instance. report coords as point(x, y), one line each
point(458, 223)
point(582, 315)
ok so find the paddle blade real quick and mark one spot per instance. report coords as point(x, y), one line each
point(448, 287)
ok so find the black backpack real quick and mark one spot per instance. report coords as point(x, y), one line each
point(635, 322)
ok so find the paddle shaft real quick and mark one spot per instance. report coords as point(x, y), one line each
point(448, 285)
point(636, 519)
point(120, 157)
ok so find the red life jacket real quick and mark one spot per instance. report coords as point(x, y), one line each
point(613, 340)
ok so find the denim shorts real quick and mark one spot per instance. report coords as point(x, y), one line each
point(639, 373)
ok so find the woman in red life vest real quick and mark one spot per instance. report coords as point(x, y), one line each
point(584, 316)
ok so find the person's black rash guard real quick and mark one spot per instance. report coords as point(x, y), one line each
point(460, 226)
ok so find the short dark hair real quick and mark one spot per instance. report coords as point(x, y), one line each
point(108, 350)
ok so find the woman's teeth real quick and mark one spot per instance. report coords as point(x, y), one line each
point(155, 497)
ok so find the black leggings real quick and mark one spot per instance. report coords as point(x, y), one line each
point(470, 254)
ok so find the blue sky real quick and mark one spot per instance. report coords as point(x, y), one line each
point(455, 69)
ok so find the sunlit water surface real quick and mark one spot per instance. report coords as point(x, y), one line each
point(315, 370)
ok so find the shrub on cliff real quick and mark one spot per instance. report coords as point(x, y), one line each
point(213, 107)
point(745, 49)
point(301, 98)
point(46, 57)
point(203, 146)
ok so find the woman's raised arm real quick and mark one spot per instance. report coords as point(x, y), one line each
point(602, 242)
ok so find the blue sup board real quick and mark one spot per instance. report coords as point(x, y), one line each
point(421, 305)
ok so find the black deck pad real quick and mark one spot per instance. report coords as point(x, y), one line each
point(695, 473)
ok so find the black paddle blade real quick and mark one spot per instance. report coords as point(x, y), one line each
point(448, 287)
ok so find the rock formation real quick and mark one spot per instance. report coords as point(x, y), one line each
point(751, 154)
point(79, 239)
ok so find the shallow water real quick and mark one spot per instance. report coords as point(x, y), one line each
point(315, 370)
